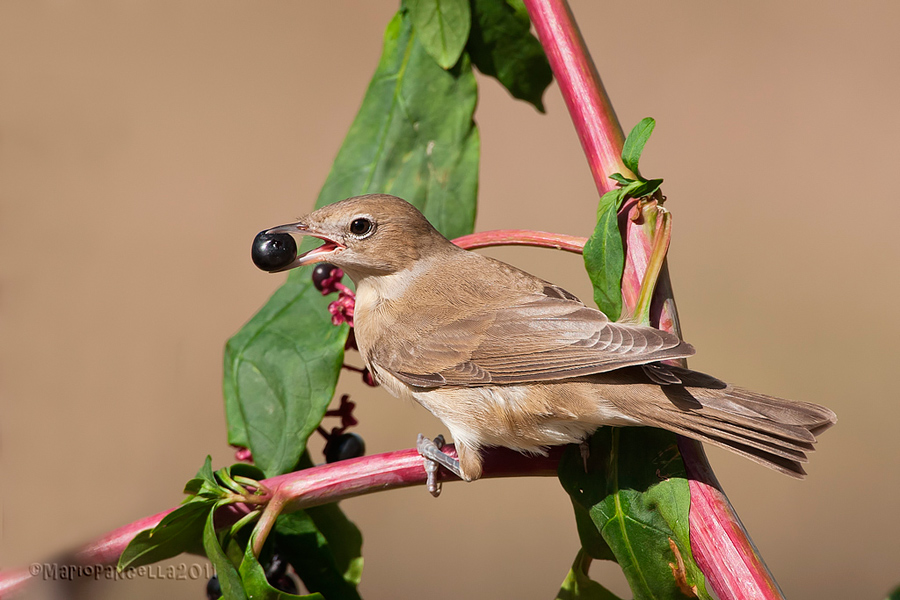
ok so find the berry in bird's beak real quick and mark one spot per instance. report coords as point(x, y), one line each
point(281, 255)
point(273, 251)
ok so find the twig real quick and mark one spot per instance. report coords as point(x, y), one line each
point(521, 237)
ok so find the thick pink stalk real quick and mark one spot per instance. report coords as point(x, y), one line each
point(734, 569)
point(721, 546)
point(312, 487)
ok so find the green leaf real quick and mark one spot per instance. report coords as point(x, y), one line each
point(177, 532)
point(621, 179)
point(639, 189)
point(442, 27)
point(327, 561)
point(344, 539)
point(636, 492)
point(604, 255)
point(579, 586)
point(501, 45)
point(634, 144)
point(257, 586)
point(204, 484)
point(591, 540)
point(229, 578)
point(414, 136)
point(280, 372)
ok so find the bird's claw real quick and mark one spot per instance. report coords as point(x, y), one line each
point(434, 458)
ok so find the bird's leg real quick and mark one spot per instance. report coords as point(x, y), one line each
point(431, 452)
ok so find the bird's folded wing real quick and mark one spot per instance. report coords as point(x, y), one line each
point(541, 338)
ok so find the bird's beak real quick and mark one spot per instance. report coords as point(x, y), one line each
point(320, 254)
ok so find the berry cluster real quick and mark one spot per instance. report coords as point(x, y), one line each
point(327, 279)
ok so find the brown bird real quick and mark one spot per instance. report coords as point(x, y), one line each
point(504, 358)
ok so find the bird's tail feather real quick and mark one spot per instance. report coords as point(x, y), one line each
point(772, 431)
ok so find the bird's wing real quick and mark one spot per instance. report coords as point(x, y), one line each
point(539, 337)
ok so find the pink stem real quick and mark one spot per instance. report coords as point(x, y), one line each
point(312, 487)
point(521, 237)
point(721, 546)
point(723, 550)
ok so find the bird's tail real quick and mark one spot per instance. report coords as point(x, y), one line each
point(772, 431)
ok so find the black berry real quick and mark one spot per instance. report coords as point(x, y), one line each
point(213, 589)
point(322, 272)
point(344, 446)
point(273, 251)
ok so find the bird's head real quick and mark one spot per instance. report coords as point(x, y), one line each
point(368, 235)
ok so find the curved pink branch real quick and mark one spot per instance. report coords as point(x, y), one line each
point(521, 237)
point(314, 486)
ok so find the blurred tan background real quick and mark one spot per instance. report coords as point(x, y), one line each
point(144, 143)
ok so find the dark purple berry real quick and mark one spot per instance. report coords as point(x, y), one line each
point(344, 446)
point(273, 251)
point(322, 272)
point(213, 589)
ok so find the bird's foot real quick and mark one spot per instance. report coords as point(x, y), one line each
point(434, 457)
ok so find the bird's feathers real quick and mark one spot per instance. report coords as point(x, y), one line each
point(769, 430)
point(505, 358)
point(495, 334)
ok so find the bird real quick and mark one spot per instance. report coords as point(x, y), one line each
point(505, 359)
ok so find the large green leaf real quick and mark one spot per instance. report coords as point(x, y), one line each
point(636, 492)
point(502, 46)
point(414, 136)
point(442, 26)
point(280, 373)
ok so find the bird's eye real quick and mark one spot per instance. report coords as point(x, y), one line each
point(361, 226)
